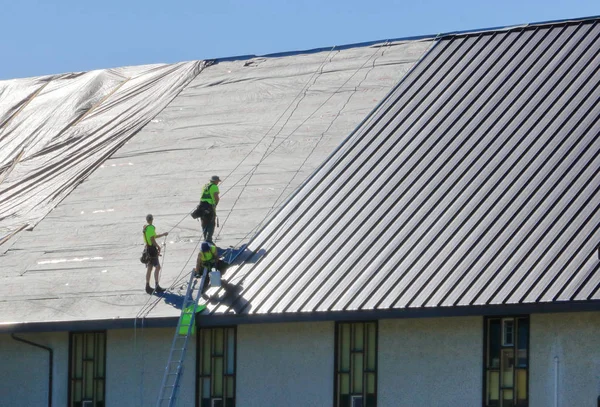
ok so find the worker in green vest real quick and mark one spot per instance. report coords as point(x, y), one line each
point(208, 207)
point(153, 250)
point(208, 257)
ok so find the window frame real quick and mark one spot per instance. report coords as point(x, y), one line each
point(72, 334)
point(515, 346)
point(336, 372)
point(199, 375)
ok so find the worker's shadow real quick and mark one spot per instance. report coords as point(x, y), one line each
point(229, 295)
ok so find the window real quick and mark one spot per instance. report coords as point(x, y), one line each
point(507, 332)
point(356, 364)
point(216, 367)
point(87, 363)
point(506, 362)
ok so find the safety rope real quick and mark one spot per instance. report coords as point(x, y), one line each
point(301, 92)
point(267, 153)
point(386, 44)
point(146, 309)
point(278, 201)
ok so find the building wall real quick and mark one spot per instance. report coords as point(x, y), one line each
point(24, 370)
point(430, 362)
point(285, 365)
point(421, 362)
point(574, 338)
point(136, 361)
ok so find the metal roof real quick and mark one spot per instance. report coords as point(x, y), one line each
point(475, 183)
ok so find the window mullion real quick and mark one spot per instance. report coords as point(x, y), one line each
point(94, 344)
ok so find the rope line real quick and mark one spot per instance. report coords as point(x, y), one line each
point(296, 129)
point(275, 205)
point(266, 152)
point(301, 92)
point(146, 309)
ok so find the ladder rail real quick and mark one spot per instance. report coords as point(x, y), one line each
point(175, 347)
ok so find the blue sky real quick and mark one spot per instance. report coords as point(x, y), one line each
point(40, 37)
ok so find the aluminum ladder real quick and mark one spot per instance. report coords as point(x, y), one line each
point(174, 368)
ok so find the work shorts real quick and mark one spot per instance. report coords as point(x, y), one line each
point(153, 256)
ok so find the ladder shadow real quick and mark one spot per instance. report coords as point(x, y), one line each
point(241, 255)
point(175, 300)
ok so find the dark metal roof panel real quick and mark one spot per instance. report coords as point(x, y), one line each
point(476, 182)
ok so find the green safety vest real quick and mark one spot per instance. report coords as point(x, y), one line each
point(149, 231)
point(208, 193)
point(209, 256)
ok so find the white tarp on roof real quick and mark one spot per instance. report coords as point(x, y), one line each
point(55, 131)
point(262, 124)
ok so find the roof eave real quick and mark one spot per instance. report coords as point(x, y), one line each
point(328, 316)
point(437, 312)
point(89, 325)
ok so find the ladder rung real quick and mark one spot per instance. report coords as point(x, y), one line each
point(175, 366)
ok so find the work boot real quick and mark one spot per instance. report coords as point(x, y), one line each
point(149, 289)
point(159, 289)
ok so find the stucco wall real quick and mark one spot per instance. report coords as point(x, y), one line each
point(421, 362)
point(430, 362)
point(135, 363)
point(575, 339)
point(285, 365)
point(24, 370)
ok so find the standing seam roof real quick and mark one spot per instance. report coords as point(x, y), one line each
point(476, 182)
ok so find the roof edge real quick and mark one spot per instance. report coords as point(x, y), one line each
point(433, 312)
point(89, 325)
point(517, 26)
point(400, 39)
point(329, 316)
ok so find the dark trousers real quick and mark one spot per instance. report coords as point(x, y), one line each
point(208, 229)
point(219, 265)
point(208, 222)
